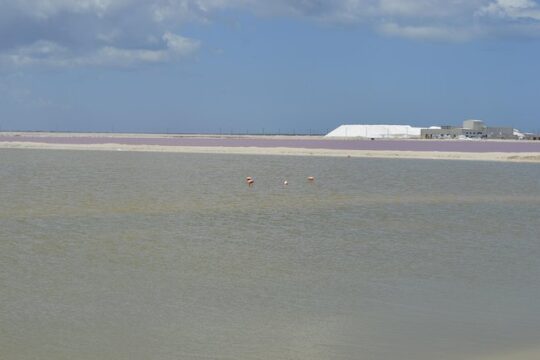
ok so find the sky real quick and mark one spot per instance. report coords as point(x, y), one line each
point(267, 66)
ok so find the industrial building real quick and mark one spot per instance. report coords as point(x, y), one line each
point(471, 129)
point(531, 136)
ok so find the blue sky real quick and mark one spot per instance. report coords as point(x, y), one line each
point(274, 66)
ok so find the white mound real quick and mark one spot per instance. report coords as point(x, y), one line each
point(376, 131)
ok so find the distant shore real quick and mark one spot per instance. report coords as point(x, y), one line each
point(510, 151)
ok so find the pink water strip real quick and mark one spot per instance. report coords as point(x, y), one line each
point(376, 145)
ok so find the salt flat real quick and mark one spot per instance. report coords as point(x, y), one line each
point(486, 150)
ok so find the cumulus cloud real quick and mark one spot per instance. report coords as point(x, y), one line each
point(428, 32)
point(52, 54)
point(93, 32)
point(47, 8)
point(131, 32)
point(431, 20)
point(425, 8)
point(512, 9)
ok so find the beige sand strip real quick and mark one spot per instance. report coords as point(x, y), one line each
point(435, 155)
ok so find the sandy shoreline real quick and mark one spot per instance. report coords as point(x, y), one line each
point(533, 157)
point(489, 150)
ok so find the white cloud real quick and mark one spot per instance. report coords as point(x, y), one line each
point(176, 47)
point(200, 10)
point(52, 54)
point(48, 8)
point(432, 20)
point(118, 32)
point(429, 32)
point(418, 8)
point(513, 9)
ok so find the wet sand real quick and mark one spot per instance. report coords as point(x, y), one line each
point(517, 151)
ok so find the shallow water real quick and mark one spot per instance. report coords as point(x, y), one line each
point(116, 255)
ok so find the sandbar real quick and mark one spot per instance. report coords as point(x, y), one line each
point(508, 151)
